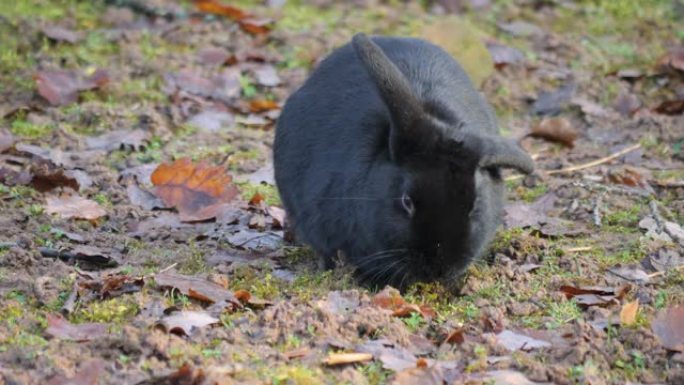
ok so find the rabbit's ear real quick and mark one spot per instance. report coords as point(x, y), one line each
point(500, 152)
point(395, 90)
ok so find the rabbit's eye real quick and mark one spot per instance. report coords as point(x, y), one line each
point(407, 204)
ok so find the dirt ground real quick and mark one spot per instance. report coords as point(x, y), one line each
point(142, 241)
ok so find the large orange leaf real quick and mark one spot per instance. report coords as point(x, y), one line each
point(197, 191)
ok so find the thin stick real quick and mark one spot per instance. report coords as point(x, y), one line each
point(585, 165)
point(167, 268)
point(659, 273)
point(579, 249)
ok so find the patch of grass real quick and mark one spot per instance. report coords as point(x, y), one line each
point(375, 373)
point(194, 263)
point(269, 192)
point(25, 129)
point(116, 310)
point(414, 321)
point(562, 312)
point(531, 194)
point(624, 220)
point(297, 375)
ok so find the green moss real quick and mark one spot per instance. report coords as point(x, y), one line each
point(115, 310)
point(269, 192)
point(194, 263)
point(297, 375)
point(562, 313)
point(531, 194)
point(375, 373)
point(25, 129)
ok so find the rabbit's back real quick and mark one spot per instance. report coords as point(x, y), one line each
point(334, 129)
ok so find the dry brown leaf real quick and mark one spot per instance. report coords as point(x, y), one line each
point(669, 327)
point(6, 140)
point(198, 191)
point(73, 206)
point(216, 8)
point(88, 374)
point(197, 288)
point(60, 328)
point(558, 130)
point(347, 358)
point(262, 105)
point(256, 199)
point(185, 322)
point(62, 87)
point(629, 312)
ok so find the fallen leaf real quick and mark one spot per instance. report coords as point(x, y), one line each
point(185, 322)
point(256, 199)
point(212, 121)
point(216, 8)
point(504, 377)
point(668, 326)
point(673, 59)
point(267, 76)
point(224, 86)
point(558, 130)
point(390, 298)
point(339, 302)
point(552, 102)
point(62, 87)
point(630, 272)
point(593, 295)
point(515, 341)
point(629, 312)
point(143, 198)
point(73, 206)
point(262, 105)
point(278, 216)
point(456, 337)
point(504, 55)
point(670, 107)
point(256, 26)
point(58, 33)
point(87, 257)
point(6, 140)
point(88, 374)
point(627, 104)
point(46, 176)
point(246, 22)
point(262, 175)
point(423, 376)
point(628, 176)
point(213, 56)
point(665, 260)
point(520, 28)
point(347, 358)
point(58, 327)
point(119, 140)
point(197, 288)
point(198, 191)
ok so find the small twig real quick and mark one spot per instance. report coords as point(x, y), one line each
point(8, 245)
point(653, 206)
point(579, 249)
point(583, 166)
point(597, 210)
point(70, 302)
point(167, 268)
point(659, 273)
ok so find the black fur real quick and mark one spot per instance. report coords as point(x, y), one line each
point(380, 120)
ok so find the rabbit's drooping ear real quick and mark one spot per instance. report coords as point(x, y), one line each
point(501, 152)
point(404, 107)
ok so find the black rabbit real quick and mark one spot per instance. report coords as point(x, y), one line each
point(388, 154)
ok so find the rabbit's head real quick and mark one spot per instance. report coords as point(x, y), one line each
point(426, 226)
